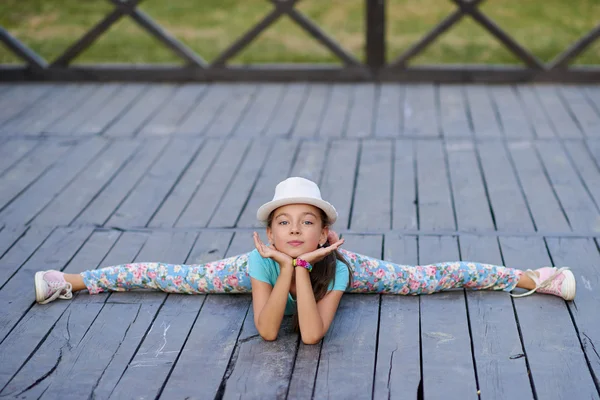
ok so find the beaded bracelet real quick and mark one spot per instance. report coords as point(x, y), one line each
point(298, 262)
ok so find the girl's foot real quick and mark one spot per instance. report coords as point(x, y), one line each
point(51, 285)
point(551, 280)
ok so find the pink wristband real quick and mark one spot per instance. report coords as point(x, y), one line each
point(298, 262)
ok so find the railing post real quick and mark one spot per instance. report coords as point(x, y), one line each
point(375, 32)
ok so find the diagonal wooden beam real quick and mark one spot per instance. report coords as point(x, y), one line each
point(511, 44)
point(121, 8)
point(563, 59)
point(279, 9)
point(23, 52)
point(430, 37)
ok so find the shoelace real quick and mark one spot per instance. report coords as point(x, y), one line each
point(530, 273)
point(58, 288)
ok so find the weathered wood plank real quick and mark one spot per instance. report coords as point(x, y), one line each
point(586, 168)
point(336, 112)
point(227, 120)
point(310, 160)
point(348, 350)
point(563, 122)
point(389, 112)
point(16, 246)
point(504, 192)
point(468, 188)
point(445, 338)
point(143, 201)
point(284, 118)
point(453, 112)
point(583, 258)
point(556, 360)
point(313, 109)
point(434, 198)
point(547, 212)
point(19, 100)
point(203, 114)
point(276, 169)
point(166, 119)
point(260, 111)
point(371, 208)
point(587, 118)
point(583, 214)
point(483, 115)
point(360, 120)
point(398, 368)
point(74, 197)
point(12, 151)
point(420, 114)
point(404, 196)
point(337, 183)
point(104, 204)
point(535, 112)
point(32, 200)
point(511, 112)
point(501, 373)
point(201, 206)
point(144, 107)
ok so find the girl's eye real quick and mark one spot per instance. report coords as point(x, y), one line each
point(308, 222)
point(282, 222)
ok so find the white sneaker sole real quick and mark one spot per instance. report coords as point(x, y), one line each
point(569, 285)
point(39, 286)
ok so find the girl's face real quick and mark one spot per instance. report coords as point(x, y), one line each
point(297, 229)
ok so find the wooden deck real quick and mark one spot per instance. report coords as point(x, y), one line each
point(95, 175)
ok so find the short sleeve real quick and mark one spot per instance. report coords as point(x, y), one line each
point(259, 268)
point(341, 277)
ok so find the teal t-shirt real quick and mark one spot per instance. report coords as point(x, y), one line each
point(267, 270)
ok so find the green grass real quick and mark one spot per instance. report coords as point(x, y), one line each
point(209, 26)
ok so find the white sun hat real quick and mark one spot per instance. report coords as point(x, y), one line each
point(296, 190)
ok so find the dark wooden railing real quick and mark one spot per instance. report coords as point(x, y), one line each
point(375, 68)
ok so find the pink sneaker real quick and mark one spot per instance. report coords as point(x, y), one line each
point(51, 285)
point(557, 281)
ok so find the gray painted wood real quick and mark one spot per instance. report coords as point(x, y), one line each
point(482, 112)
point(582, 256)
point(231, 112)
point(398, 368)
point(276, 169)
point(104, 204)
point(74, 197)
point(141, 204)
point(536, 114)
point(404, 196)
point(453, 112)
point(120, 103)
point(587, 118)
point(556, 360)
point(547, 212)
point(337, 183)
point(20, 99)
point(286, 113)
point(389, 111)
point(348, 351)
point(371, 207)
point(504, 191)
point(260, 110)
point(563, 122)
point(49, 333)
point(12, 151)
point(206, 199)
point(166, 119)
point(193, 177)
point(336, 112)
point(446, 346)
point(310, 160)
point(471, 202)
point(234, 199)
point(586, 168)
point(17, 245)
point(206, 109)
point(311, 114)
point(31, 201)
point(501, 373)
point(582, 212)
point(360, 121)
point(433, 189)
point(8, 238)
point(510, 110)
point(144, 107)
point(420, 112)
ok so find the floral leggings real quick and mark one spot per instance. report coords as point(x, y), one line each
point(370, 275)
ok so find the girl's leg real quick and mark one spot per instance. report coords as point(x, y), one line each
point(229, 275)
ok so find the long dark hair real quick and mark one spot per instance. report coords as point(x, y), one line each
point(323, 272)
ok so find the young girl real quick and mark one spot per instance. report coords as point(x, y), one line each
point(301, 271)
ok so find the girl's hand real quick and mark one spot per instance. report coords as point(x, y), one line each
point(271, 252)
point(319, 254)
point(332, 236)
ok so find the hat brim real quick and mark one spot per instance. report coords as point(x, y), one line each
point(266, 209)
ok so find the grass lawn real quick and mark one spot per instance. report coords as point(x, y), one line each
point(209, 26)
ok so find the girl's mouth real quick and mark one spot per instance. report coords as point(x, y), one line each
point(295, 243)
